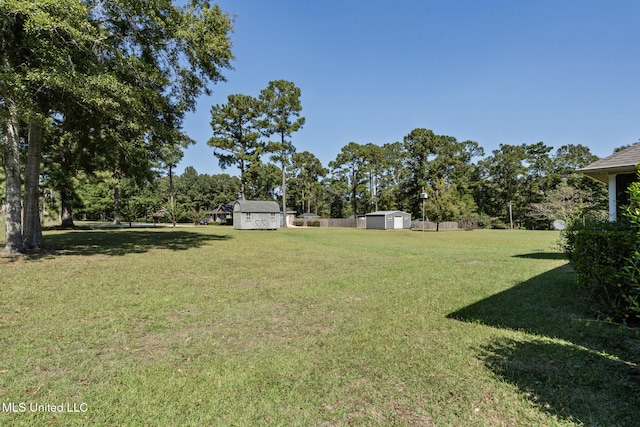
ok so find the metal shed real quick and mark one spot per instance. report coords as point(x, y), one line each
point(256, 215)
point(389, 220)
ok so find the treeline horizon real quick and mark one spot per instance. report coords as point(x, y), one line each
point(527, 185)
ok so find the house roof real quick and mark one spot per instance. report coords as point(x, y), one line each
point(224, 208)
point(624, 161)
point(257, 206)
point(309, 215)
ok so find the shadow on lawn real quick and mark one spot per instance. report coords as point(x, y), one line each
point(577, 369)
point(542, 255)
point(116, 242)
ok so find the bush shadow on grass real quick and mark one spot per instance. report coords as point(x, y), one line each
point(543, 255)
point(118, 242)
point(575, 368)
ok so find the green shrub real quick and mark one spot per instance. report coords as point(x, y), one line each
point(606, 258)
point(632, 297)
point(600, 254)
point(497, 224)
point(468, 223)
point(577, 227)
point(483, 220)
point(632, 268)
point(308, 223)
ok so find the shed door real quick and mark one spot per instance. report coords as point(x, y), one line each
point(262, 221)
point(398, 222)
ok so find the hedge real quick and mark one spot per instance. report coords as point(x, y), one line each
point(601, 255)
point(606, 258)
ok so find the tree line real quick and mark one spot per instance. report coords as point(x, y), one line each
point(527, 185)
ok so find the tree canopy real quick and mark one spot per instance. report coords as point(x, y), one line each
point(115, 79)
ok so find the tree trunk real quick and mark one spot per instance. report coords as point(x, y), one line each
point(66, 214)
point(13, 220)
point(354, 192)
point(510, 216)
point(116, 204)
point(172, 203)
point(64, 185)
point(32, 228)
point(284, 189)
point(242, 179)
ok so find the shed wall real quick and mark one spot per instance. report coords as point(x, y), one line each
point(389, 221)
point(398, 221)
point(256, 220)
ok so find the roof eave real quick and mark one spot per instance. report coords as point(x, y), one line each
point(602, 174)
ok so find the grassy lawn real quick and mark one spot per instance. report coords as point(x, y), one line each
point(306, 327)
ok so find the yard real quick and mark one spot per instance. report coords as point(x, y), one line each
point(306, 327)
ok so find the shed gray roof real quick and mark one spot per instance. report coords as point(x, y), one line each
point(384, 213)
point(257, 206)
point(624, 161)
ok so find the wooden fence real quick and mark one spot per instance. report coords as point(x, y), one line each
point(361, 223)
point(343, 222)
point(429, 225)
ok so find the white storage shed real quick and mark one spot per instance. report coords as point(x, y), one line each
point(256, 215)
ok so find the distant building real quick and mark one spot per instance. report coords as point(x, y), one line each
point(307, 216)
point(223, 214)
point(618, 171)
point(388, 220)
point(256, 215)
point(290, 217)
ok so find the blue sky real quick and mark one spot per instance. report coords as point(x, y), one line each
point(496, 72)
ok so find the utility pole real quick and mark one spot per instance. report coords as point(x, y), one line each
point(424, 197)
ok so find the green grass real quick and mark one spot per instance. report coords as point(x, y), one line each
point(307, 327)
